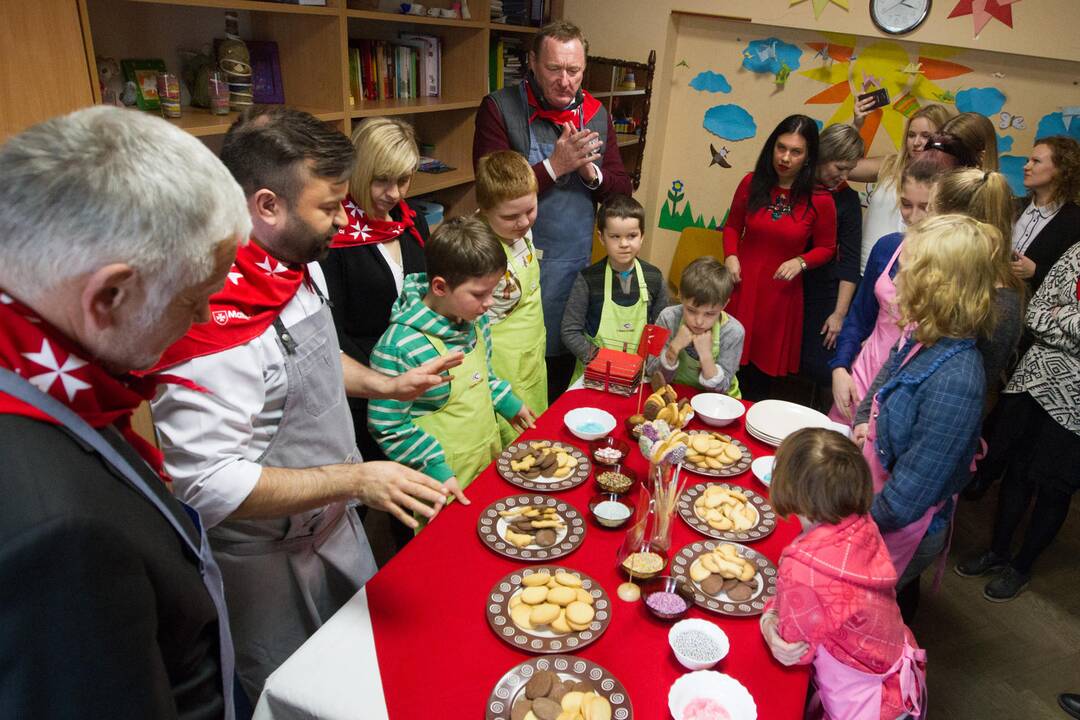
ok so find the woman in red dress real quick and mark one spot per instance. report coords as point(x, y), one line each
point(779, 226)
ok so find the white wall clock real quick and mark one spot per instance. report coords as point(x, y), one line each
point(897, 17)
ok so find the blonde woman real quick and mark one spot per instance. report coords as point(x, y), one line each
point(919, 424)
point(977, 133)
point(883, 205)
point(382, 242)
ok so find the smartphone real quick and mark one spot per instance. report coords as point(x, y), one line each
point(881, 98)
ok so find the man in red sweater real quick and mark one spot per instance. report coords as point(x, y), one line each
point(569, 140)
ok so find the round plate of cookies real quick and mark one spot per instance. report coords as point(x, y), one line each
point(726, 512)
point(716, 454)
point(535, 528)
point(548, 610)
point(543, 465)
point(559, 687)
point(726, 578)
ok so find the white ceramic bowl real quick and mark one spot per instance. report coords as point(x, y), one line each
point(725, 689)
point(716, 409)
point(762, 468)
point(709, 630)
point(578, 418)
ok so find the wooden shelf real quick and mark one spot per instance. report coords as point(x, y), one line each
point(411, 106)
point(504, 27)
point(413, 19)
point(199, 121)
point(424, 183)
point(628, 139)
point(618, 93)
point(253, 5)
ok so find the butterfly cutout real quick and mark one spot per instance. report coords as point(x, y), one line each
point(1008, 120)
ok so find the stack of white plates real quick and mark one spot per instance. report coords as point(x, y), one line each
point(770, 421)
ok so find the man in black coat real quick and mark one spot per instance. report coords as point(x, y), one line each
point(115, 228)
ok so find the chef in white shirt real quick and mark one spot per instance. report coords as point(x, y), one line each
point(264, 447)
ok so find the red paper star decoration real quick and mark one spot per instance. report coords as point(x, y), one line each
point(983, 10)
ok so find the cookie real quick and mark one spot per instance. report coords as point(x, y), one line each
point(742, 591)
point(539, 684)
point(583, 596)
point(534, 595)
point(543, 614)
point(730, 583)
point(712, 585)
point(536, 579)
point(565, 578)
point(596, 707)
point(579, 613)
point(558, 691)
point(546, 709)
point(520, 616)
point(521, 708)
point(546, 538)
point(561, 595)
point(560, 625)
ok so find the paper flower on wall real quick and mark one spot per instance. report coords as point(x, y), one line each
point(982, 10)
point(819, 5)
point(888, 63)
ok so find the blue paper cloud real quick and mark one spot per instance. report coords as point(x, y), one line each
point(1054, 124)
point(1012, 167)
point(730, 122)
point(709, 81)
point(766, 56)
point(985, 101)
point(820, 125)
point(1004, 143)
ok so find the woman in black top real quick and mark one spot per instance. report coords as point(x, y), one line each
point(828, 290)
point(1049, 224)
point(383, 242)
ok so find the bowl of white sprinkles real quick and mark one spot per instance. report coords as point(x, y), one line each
point(698, 644)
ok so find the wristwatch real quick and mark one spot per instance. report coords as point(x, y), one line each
point(802, 263)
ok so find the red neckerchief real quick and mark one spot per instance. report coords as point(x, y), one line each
point(38, 352)
point(578, 115)
point(366, 230)
point(257, 289)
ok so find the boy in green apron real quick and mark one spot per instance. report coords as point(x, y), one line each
point(449, 432)
point(706, 343)
point(506, 193)
point(613, 300)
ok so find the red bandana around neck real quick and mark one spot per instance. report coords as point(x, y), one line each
point(578, 116)
point(257, 289)
point(366, 230)
point(38, 352)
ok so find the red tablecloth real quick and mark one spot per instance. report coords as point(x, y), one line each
point(439, 658)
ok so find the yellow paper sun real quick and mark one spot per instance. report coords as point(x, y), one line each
point(880, 64)
point(819, 5)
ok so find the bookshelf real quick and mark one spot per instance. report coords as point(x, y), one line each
point(605, 78)
point(313, 44)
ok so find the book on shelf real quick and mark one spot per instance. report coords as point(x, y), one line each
point(384, 70)
point(506, 62)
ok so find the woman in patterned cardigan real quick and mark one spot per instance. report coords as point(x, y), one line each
point(1042, 403)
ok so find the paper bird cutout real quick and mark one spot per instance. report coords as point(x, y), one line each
point(819, 5)
point(946, 96)
point(870, 81)
point(1068, 113)
point(999, 75)
point(682, 63)
point(912, 68)
point(982, 10)
point(719, 157)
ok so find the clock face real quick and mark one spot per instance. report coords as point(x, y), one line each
point(899, 16)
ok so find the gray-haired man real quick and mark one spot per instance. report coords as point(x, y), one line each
point(115, 229)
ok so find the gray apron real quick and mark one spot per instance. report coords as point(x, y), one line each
point(17, 387)
point(285, 577)
point(565, 214)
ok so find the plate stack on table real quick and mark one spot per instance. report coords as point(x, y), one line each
point(437, 652)
point(770, 421)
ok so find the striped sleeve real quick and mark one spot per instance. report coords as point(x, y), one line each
point(503, 398)
point(400, 349)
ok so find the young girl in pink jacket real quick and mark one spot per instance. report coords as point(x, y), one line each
point(835, 605)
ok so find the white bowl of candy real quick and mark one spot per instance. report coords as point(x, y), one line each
point(589, 423)
point(709, 695)
point(698, 644)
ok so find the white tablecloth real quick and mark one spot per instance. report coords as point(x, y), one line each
point(333, 676)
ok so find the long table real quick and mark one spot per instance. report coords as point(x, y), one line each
point(419, 626)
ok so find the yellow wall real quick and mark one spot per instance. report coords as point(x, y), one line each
point(689, 30)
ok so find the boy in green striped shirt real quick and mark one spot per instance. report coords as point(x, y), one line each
point(450, 432)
